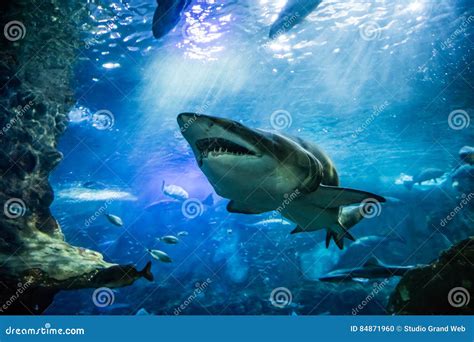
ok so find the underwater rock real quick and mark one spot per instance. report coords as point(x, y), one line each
point(445, 287)
point(35, 74)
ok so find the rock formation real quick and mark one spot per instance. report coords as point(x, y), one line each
point(39, 46)
point(445, 287)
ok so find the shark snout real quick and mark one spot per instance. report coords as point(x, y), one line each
point(185, 120)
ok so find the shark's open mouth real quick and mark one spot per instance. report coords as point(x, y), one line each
point(220, 146)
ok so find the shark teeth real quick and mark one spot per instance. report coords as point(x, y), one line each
point(220, 146)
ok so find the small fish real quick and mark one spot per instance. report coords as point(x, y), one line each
point(229, 231)
point(159, 255)
point(183, 233)
point(269, 223)
point(174, 191)
point(423, 176)
point(114, 220)
point(169, 239)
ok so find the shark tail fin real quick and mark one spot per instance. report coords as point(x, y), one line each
point(338, 236)
point(146, 272)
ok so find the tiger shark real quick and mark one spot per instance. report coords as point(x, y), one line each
point(261, 171)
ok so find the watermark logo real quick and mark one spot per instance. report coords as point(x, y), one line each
point(14, 208)
point(449, 42)
point(370, 31)
point(377, 110)
point(286, 23)
point(21, 288)
point(102, 297)
point(459, 297)
point(99, 212)
point(459, 119)
point(192, 208)
point(14, 31)
point(281, 119)
point(370, 208)
point(19, 112)
point(281, 297)
point(103, 119)
point(199, 289)
point(377, 287)
point(462, 204)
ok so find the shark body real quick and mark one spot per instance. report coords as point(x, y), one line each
point(372, 269)
point(261, 171)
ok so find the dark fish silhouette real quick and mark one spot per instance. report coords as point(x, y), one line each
point(293, 13)
point(167, 16)
point(372, 269)
point(423, 176)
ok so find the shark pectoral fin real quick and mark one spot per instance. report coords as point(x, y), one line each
point(333, 197)
point(209, 201)
point(242, 208)
point(297, 229)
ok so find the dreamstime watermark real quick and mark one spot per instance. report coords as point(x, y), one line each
point(287, 22)
point(370, 208)
point(103, 119)
point(14, 30)
point(281, 297)
point(370, 31)
point(14, 208)
point(280, 119)
point(102, 297)
point(46, 330)
point(19, 112)
point(21, 288)
point(463, 203)
point(200, 288)
point(99, 212)
point(377, 110)
point(459, 297)
point(183, 128)
point(377, 287)
point(192, 208)
point(448, 42)
point(459, 119)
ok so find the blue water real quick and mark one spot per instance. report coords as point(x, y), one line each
point(377, 101)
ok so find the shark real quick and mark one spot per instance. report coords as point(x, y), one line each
point(167, 15)
point(261, 171)
point(293, 13)
point(372, 269)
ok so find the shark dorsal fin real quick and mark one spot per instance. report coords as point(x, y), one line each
point(372, 261)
